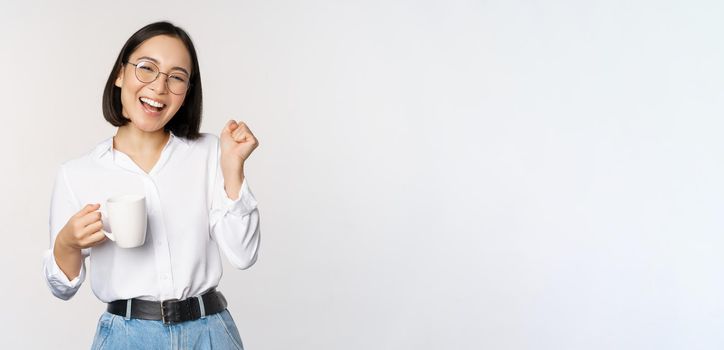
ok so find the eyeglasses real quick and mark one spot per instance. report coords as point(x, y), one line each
point(148, 72)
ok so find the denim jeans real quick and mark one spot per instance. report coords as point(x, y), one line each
point(216, 331)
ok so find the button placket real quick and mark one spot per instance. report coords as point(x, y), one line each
point(161, 248)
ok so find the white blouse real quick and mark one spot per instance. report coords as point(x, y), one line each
point(190, 218)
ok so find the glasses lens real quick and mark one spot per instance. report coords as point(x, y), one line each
point(146, 71)
point(178, 83)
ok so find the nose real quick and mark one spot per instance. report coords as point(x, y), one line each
point(160, 85)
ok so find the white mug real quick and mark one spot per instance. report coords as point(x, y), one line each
point(125, 215)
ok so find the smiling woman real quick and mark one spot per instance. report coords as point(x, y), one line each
point(148, 100)
point(163, 60)
point(187, 182)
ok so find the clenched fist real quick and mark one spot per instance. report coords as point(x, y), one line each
point(236, 143)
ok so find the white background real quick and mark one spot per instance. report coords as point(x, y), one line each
point(431, 174)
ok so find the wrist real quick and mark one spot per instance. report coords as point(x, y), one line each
point(233, 165)
point(64, 250)
point(232, 171)
point(61, 245)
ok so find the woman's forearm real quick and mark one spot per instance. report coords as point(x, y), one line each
point(68, 259)
point(233, 179)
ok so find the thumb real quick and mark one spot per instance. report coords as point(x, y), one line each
point(230, 126)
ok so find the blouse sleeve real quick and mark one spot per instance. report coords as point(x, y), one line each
point(234, 223)
point(63, 205)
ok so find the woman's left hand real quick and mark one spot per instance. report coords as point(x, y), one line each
point(237, 143)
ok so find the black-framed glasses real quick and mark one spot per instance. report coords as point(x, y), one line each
point(147, 72)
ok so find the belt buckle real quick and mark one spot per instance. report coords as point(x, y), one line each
point(163, 311)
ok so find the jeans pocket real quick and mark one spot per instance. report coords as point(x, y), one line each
point(103, 330)
point(230, 327)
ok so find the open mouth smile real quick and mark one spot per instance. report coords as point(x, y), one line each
point(151, 106)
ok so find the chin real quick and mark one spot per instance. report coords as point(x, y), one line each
point(148, 127)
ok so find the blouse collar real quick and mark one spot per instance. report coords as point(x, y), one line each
point(106, 146)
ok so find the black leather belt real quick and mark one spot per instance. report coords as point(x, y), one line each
point(170, 311)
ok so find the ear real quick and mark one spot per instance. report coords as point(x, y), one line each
point(119, 78)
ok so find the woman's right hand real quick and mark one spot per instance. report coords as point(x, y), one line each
point(83, 230)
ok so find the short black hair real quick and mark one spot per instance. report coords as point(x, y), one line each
point(187, 120)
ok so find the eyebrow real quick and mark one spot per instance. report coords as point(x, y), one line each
point(156, 62)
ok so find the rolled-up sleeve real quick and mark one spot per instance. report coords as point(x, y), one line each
point(63, 205)
point(58, 282)
point(235, 223)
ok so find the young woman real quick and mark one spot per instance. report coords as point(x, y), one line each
point(162, 294)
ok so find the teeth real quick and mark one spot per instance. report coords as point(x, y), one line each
point(152, 102)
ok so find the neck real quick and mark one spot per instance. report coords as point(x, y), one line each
point(131, 140)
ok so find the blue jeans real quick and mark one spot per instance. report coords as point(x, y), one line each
point(216, 331)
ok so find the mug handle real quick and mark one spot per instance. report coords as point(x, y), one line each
point(104, 217)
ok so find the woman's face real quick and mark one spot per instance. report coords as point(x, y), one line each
point(141, 100)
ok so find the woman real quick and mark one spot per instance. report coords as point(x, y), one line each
point(162, 294)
